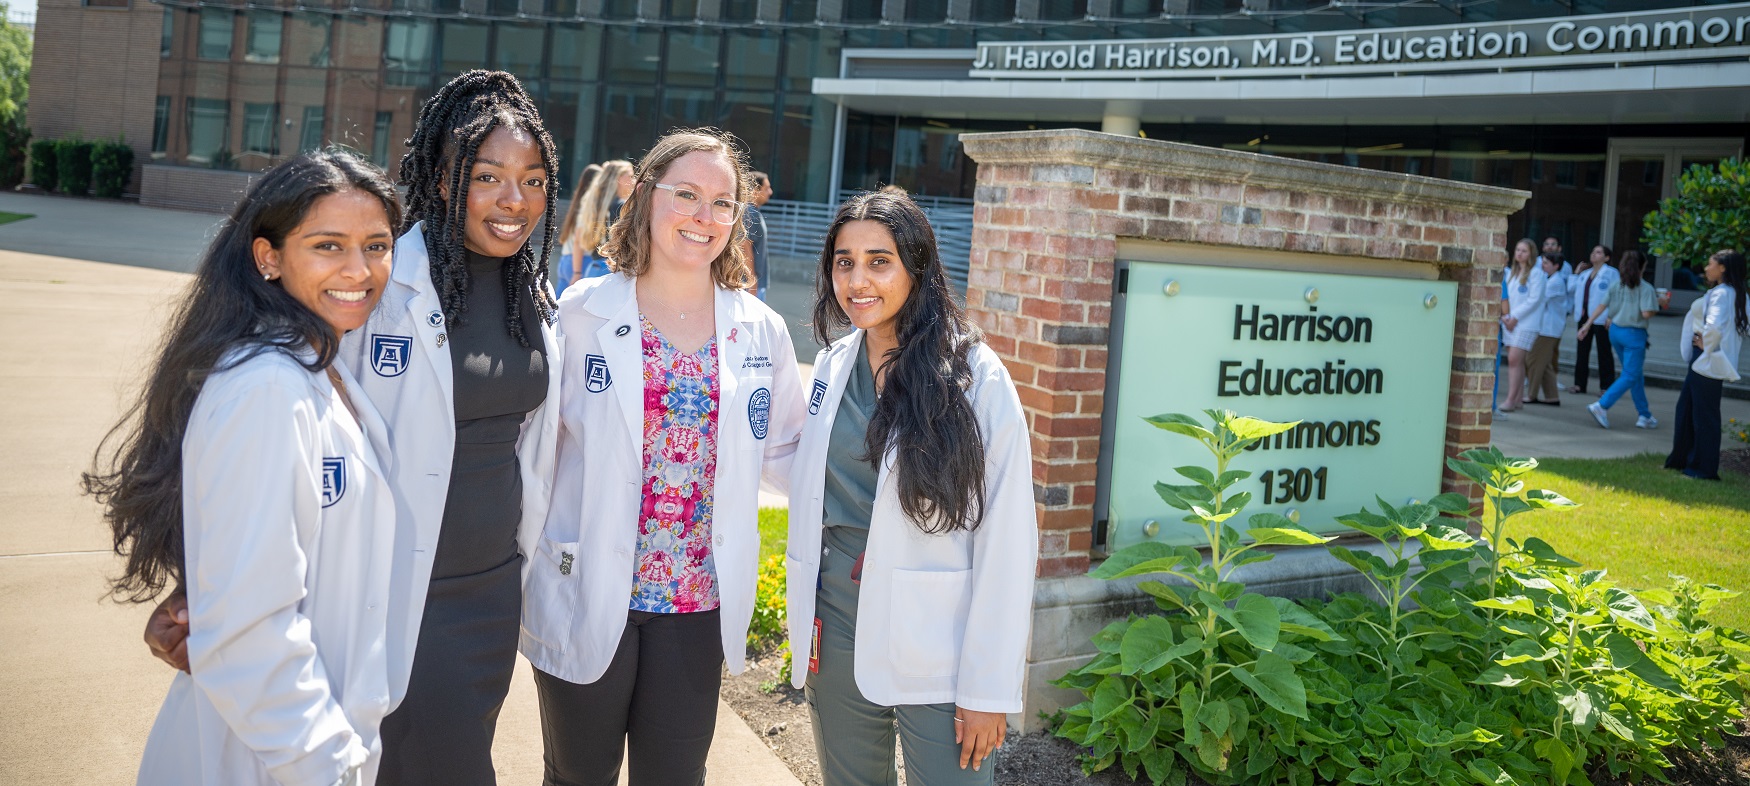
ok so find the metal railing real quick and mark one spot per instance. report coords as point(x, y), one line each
point(799, 228)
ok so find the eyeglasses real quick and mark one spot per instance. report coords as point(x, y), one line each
point(687, 203)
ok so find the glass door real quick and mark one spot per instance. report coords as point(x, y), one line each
point(1640, 172)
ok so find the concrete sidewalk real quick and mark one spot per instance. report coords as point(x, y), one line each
point(81, 687)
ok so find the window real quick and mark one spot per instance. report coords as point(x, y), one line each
point(633, 54)
point(208, 125)
point(801, 10)
point(693, 58)
point(161, 126)
point(310, 137)
point(739, 10)
point(862, 10)
point(259, 121)
point(106, 3)
point(682, 10)
point(504, 7)
point(926, 10)
point(464, 47)
point(1062, 10)
point(265, 28)
point(215, 35)
point(380, 139)
point(993, 10)
point(407, 51)
point(168, 36)
point(577, 52)
point(752, 62)
point(562, 9)
point(519, 50)
point(307, 42)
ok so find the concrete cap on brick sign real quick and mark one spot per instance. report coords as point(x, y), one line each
point(1071, 155)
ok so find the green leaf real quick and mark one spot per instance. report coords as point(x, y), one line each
point(1297, 620)
point(1196, 474)
point(1523, 650)
point(1285, 536)
point(1578, 702)
point(1498, 677)
point(1489, 773)
point(1171, 497)
point(1181, 424)
point(1512, 506)
point(1149, 645)
point(1110, 696)
point(1273, 679)
point(1109, 637)
point(1610, 723)
point(1560, 758)
point(1627, 656)
point(1627, 609)
point(1545, 554)
point(1255, 617)
point(1452, 502)
point(1544, 498)
point(1253, 428)
point(1518, 604)
point(1138, 559)
point(1471, 469)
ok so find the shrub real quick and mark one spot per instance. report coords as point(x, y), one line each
point(112, 165)
point(769, 605)
point(1488, 661)
point(14, 149)
point(73, 166)
point(42, 164)
point(1711, 211)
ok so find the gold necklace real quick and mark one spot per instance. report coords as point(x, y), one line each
point(340, 385)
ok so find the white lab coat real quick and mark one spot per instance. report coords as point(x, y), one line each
point(1599, 279)
point(1554, 315)
point(940, 618)
point(1712, 316)
point(578, 592)
point(289, 531)
point(401, 358)
point(1525, 304)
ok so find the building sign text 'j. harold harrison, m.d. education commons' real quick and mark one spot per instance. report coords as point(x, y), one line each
point(1705, 32)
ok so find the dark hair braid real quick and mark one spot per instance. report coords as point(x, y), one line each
point(452, 124)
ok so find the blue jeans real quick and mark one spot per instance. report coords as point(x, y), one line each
point(1631, 346)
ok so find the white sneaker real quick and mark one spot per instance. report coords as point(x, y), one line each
point(1599, 414)
point(1499, 415)
point(1647, 422)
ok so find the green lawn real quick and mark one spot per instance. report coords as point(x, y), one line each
point(1642, 523)
point(774, 531)
point(7, 218)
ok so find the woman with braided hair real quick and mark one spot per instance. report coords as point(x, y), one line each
point(462, 360)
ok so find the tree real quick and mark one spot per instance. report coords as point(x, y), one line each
point(1710, 212)
point(15, 44)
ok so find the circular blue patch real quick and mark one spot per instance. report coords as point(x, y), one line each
point(435, 319)
point(759, 412)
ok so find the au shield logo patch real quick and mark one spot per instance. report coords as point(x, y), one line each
point(333, 480)
point(389, 354)
point(759, 412)
point(816, 396)
point(595, 374)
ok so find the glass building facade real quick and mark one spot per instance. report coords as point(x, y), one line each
point(241, 88)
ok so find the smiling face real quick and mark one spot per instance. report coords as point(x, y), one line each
point(695, 181)
point(507, 192)
point(868, 278)
point(336, 261)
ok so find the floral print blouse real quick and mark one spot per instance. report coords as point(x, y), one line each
point(675, 572)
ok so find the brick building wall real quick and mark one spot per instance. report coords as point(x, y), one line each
point(1052, 206)
point(94, 73)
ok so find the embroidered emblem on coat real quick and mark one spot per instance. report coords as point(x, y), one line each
point(389, 354)
point(595, 374)
point(333, 480)
point(759, 412)
point(816, 396)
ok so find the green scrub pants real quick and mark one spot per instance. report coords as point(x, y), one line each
point(853, 736)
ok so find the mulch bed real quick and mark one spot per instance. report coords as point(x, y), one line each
point(1736, 460)
point(777, 713)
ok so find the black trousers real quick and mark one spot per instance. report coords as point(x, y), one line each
point(1600, 338)
point(657, 703)
point(1695, 437)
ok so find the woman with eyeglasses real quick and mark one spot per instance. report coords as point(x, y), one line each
point(680, 393)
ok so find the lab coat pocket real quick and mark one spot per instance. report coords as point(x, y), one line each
point(550, 599)
point(928, 620)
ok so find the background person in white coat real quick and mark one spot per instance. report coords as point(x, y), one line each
point(1522, 314)
point(1715, 328)
point(681, 392)
point(912, 532)
point(1552, 319)
point(247, 473)
point(1589, 285)
point(462, 359)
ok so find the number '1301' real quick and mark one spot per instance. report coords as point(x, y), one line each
point(1293, 485)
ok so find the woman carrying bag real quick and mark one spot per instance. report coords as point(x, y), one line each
point(1714, 330)
point(1627, 308)
point(912, 532)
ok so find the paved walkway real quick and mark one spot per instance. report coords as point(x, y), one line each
point(81, 690)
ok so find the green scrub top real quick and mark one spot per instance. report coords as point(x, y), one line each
point(850, 480)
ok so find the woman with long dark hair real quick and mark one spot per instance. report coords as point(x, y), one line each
point(247, 473)
point(462, 359)
point(1590, 284)
point(568, 256)
point(681, 395)
point(912, 532)
point(1714, 330)
point(1628, 307)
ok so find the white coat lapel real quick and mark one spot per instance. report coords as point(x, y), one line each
point(621, 338)
point(425, 313)
point(733, 341)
